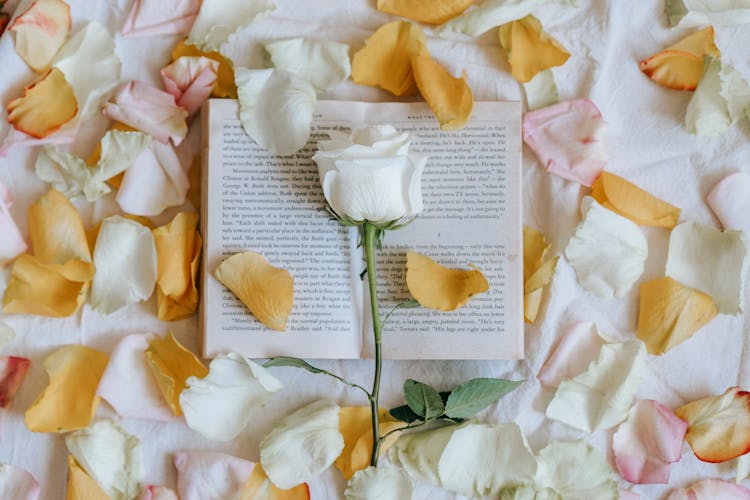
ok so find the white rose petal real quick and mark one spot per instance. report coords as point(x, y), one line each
point(493, 13)
point(379, 483)
point(125, 261)
point(276, 108)
point(690, 13)
point(541, 91)
point(302, 444)
point(12, 244)
point(600, 397)
point(110, 456)
point(325, 64)
point(576, 349)
point(220, 405)
point(607, 251)
point(419, 453)
point(743, 468)
point(730, 201)
point(205, 475)
point(17, 484)
point(576, 471)
point(7, 334)
point(711, 261)
point(218, 19)
point(528, 492)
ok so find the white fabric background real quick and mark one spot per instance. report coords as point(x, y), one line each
point(648, 145)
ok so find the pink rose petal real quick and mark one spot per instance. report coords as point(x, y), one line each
point(568, 138)
point(730, 201)
point(204, 475)
point(149, 110)
point(629, 495)
point(12, 372)
point(157, 493)
point(576, 349)
point(648, 442)
point(12, 243)
point(17, 484)
point(190, 80)
point(711, 489)
point(161, 17)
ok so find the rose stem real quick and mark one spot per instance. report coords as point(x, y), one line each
point(371, 237)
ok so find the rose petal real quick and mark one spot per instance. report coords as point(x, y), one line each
point(205, 475)
point(671, 313)
point(355, 425)
point(730, 201)
point(80, 486)
point(376, 483)
point(220, 405)
point(607, 251)
point(40, 32)
point(386, 59)
point(622, 197)
point(685, 13)
point(45, 106)
point(600, 397)
point(259, 486)
point(325, 64)
point(536, 275)
point(568, 139)
point(529, 49)
point(178, 250)
point(17, 483)
point(7, 334)
point(648, 442)
point(743, 468)
point(425, 11)
point(711, 261)
point(140, 397)
point(172, 364)
point(419, 453)
point(157, 493)
point(12, 372)
point(224, 85)
point(492, 13)
point(541, 91)
point(718, 426)
point(190, 80)
point(710, 489)
point(267, 291)
point(361, 454)
point(528, 492)
point(148, 109)
point(575, 470)
point(110, 456)
point(276, 108)
point(438, 287)
point(218, 19)
point(12, 243)
point(680, 66)
point(572, 354)
point(302, 444)
point(70, 399)
point(159, 17)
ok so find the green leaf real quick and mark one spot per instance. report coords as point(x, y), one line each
point(409, 304)
point(293, 362)
point(423, 400)
point(477, 394)
point(404, 414)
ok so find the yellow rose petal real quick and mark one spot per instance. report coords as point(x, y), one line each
point(354, 423)
point(529, 49)
point(438, 287)
point(69, 401)
point(224, 85)
point(178, 249)
point(671, 313)
point(45, 106)
point(622, 197)
point(41, 31)
point(449, 98)
point(267, 291)
point(536, 273)
point(172, 364)
point(194, 177)
point(362, 451)
point(680, 66)
point(80, 485)
point(425, 11)
point(259, 486)
point(385, 60)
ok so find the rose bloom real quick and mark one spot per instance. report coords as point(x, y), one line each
point(370, 175)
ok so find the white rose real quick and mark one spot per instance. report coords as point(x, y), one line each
point(369, 175)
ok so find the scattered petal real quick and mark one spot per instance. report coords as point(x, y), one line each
point(607, 251)
point(575, 471)
point(622, 197)
point(80, 485)
point(361, 453)
point(541, 91)
point(172, 364)
point(743, 468)
point(190, 80)
point(648, 442)
point(709, 260)
point(536, 273)
point(425, 11)
point(718, 426)
point(528, 492)
point(178, 250)
point(140, 397)
point(205, 475)
point(302, 444)
point(671, 313)
point(110, 456)
point(680, 66)
point(159, 17)
point(267, 291)
point(224, 85)
point(419, 453)
point(218, 19)
point(12, 243)
point(686, 13)
point(70, 399)
point(152, 492)
point(529, 49)
point(45, 106)
point(355, 425)
point(376, 483)
point(276, 108)
point(12, 372)
point(17, 484)
point(386, 59)
point(730, 201)
point(492, 13)
point(600, 397)
point(7, 334)
point(325, 64)
point(710, 489)
point(259, 486)
point(449, 98)
point(572, 354)
point(438, 287)
point(40, 32)
point(568, 139)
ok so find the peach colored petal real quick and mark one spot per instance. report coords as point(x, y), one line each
point(425, 11)
point(190, 80)
point(12, 372)
point(224, 86)
point(437, 287)
point(41, 31)
point(259, 484)
point(355, 424)
point(627, 199)
point(161, 17)
point(12, 243)
point(80, 485)
point(529, 49)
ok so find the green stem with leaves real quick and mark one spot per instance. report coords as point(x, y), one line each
point(371, 234)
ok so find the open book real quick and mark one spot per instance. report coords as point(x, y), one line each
point(253, 200)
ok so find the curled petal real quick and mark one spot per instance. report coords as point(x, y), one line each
point(267, 291)
point(160, 17)
point(45, 106)
point(561, 469)
point(17, 483)
point(536, 273)
point(325, 64)
point(718, 426)
point(218, 19)
point(529, 49)
point(686, 13)
point(622, 197)
point(204, 475)
point(425, 11)
point(80, 485)
point(438, 287)
point(492, 13)
point(680, 66)
point(12, 372)
point(375, 483)
point(259, 485)
point(568, 139)
point(355, 425)
point(12, 243)
point(224, 85)
point(730, 201)
point(648, 442)
point(572, 355)
point(419, 453)
point(710, 489)
point(70, 399)
point(190, 80)
point(41, 31)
